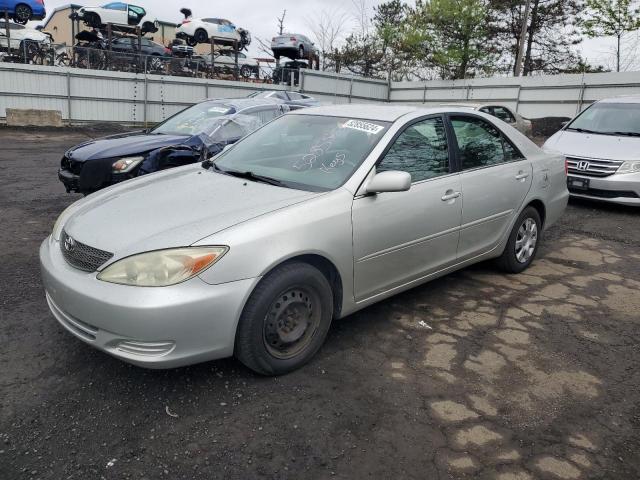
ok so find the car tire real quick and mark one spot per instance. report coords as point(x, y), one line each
point(201, 36)
point(22, 13)
point(285, 321)
point(301, 52)
point(245, 71)
point(93, 20)
point(191, 41)
point(523, 243)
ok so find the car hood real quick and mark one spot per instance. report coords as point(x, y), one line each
point(174, 208)
point(122, 145)
point(588, 145)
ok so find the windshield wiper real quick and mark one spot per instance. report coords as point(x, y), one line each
point(251, 176)
point(584, 130)
point(627, 134)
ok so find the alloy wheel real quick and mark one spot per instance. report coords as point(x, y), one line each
point(526, 240)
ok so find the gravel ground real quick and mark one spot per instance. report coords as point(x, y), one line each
point(475, 375)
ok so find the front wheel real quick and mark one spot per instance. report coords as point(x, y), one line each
point(523, 242)
point(245, 71)
point(285, 320)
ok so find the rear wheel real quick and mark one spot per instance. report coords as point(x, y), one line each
point(22, 13)
point(285, 321)
point(523, 242)
point(93, 20)
point(201, 36)
point(301, 53)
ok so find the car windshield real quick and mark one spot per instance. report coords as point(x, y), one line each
point(308, 152)
point(609, 119)
point(193, 120)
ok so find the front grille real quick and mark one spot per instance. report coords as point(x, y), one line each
point(593, 168)
point(81, 256)
point(71, 166)
point(594, 192)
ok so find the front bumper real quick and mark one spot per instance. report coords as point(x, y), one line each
point(162, 327)
point(622, 189)
point(69, 179)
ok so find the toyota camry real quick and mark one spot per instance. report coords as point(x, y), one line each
point(312, 217)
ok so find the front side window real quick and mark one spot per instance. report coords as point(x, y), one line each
point(609, 119)
point(480, 144)
point(420, 150)
point(309, 152)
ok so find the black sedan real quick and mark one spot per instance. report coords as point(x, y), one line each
point(197, 132)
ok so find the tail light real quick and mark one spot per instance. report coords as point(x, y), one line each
point(167, 50)
point(186, 20)
point(41, 2)
point(293, 39)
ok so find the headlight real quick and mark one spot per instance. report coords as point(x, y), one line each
point(127, 164)
point(162, 267)
point(630, 167)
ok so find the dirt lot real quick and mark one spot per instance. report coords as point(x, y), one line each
point(476, 375)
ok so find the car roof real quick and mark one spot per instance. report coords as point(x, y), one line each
point(242, 103)
point(621, 99)
point(383, 113)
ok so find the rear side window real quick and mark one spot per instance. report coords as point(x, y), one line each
point(266, 114)
point(481, 144)
point(421, 149)
point(503, 114)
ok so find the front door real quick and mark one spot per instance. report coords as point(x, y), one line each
point(495, 178)
point(399, 237)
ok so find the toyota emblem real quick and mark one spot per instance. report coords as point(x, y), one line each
point(69, 244)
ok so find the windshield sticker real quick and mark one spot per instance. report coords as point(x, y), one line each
point(367, 127)
point(218, 109)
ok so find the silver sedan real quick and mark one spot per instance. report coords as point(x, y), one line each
point(316, 215)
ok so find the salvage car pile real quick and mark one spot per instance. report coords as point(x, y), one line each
point(116, 41)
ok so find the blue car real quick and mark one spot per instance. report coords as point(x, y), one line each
point(23, 10)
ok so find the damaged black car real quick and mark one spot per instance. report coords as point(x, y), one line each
point(198, 132)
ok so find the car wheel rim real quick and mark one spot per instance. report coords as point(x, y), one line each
point(291, 322)
point(22, 13)
point(526, 240)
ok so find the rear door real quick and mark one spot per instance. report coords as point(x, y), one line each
point(495, 179)
point(399, 237)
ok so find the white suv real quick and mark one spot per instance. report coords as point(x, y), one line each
point(602, 147)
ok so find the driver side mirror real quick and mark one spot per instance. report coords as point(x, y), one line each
point(391, 181)
point(564, 124)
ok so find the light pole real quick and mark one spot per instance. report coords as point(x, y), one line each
point(523, 34)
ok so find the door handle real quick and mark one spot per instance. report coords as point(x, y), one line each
point(521, 175)
point(450, 195)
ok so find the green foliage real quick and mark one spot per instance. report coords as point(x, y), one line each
point(611, 17)
point(459, 36)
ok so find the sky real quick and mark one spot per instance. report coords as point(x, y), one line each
point(260, 18)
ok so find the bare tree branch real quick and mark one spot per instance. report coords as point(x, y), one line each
point(328, 29)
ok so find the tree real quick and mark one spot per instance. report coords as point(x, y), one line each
point(328, 28)
point(612, 18)
point(404, 40)
point(551, 33)
point(457, 35)
point(281, 22)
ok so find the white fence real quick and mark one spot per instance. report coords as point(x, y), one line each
point(103, 96)
point(95, 95)
point(532, 97)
